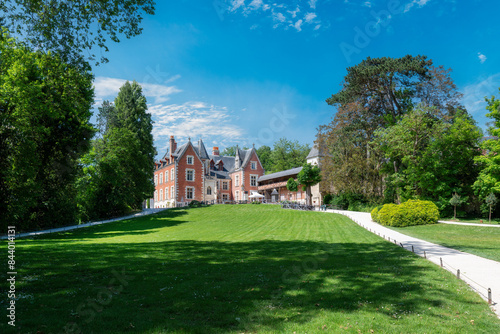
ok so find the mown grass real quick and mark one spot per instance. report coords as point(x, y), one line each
point(494, 221)
point(236, 269)
point(478, 240)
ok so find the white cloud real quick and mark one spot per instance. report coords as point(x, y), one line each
point(367, 4)
point(194, 119)
point(482, 58)
point(279, 17)
point(108, 88)
point(298, 25)
point(235, 4)
point(475, 93)
point(294, 12)
point(309, 17)
point(419, 3)
point(256, 4)
point(317, 26)
point(282, 14)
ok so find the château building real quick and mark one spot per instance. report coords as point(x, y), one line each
point(188, 172)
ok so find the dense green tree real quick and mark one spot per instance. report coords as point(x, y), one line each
point(73, 28)
point(488, 180)
point(264, 153)
point(376, 94)
point(287, 154)
point(433, 158)
point(292, 185)
point(106, 117)
point(118, 173)
point(44, 129)
point(309, 176)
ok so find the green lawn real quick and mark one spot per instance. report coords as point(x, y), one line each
point(494, 221)
point(236, 269)
point(482, 241)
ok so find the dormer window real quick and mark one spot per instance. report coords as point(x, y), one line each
point(190, 160)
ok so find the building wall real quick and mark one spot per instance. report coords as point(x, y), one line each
point(248, 171)
point(182, 183)
point(236, 192)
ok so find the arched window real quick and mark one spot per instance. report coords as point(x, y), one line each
point(166, 192)
point(161, 195)
point(209, 190)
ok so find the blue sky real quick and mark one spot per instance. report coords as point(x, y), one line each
point(253, 71)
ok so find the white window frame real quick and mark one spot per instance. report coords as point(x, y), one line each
point(237, 195)
point(161, 195)
point(253, 176)
point(190, 157)
point(166, 193)
point(172, 193)
point(253, 165)
point(225, 197)
point(172, 174)
point(209, 190)
point(189, 188)
point(187, 174)
point(166, 176)
point(161, 178)
point(156, 179)
point(236, 180)
point(225, 185)
point(156, 195)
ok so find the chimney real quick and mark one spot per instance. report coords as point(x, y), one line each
point(173, 145)
point(215, 151)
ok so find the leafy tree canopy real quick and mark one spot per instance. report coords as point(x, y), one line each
point(73, 28)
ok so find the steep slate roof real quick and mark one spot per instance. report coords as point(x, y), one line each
point(277, 175)
point(227, 161)
point(313, 153)
point(202, 151)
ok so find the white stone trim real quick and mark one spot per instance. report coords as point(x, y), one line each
point(194, 192)
point(192, 159)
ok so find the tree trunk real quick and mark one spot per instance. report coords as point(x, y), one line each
point(490, 213)
point(308, 195)
point(455, 212)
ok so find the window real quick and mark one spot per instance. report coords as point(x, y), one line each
point(161, 195)
point(209, 190)
point(236, 180)
point(224, 185)
point(156, 180)
point(156, 195)
point(172, 194)
point(172, 174)
point(166, 193)
point(166, 176)
point(225, 197)
point(237, 197)
point(161, 178)
point(253, 180)
point(189, 174)
point(253, 165)
point(189, 192)
point(190, 160)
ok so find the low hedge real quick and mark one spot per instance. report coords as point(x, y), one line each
point(374, 214)
point(410, 213)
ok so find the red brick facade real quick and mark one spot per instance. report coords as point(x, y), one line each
point(193, 174)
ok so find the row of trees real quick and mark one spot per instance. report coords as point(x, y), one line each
point(285, 154)
point(400, 133)
point(46, 99)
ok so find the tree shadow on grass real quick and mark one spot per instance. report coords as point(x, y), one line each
point(219, 287)
point(141, 225)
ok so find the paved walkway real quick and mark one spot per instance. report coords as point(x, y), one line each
point(467, 224)
point(478, 272)
point(144, 212)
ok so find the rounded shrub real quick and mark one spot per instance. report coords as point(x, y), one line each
point(385, 214)
point(374, 214)
point(410, 213)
